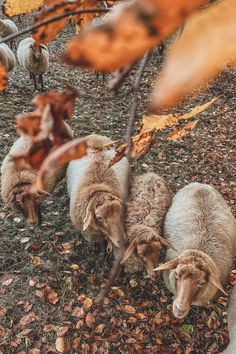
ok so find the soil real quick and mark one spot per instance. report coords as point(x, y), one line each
point(50, 276)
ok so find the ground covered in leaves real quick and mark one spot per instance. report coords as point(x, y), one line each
point(49, 276)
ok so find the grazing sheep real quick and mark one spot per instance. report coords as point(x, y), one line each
point(201, 227)
point(231, 349)
point(34, 58)
point(150, 198)
point(95, 192)
point(7, 27)
point(16, 184)
point(7, 57)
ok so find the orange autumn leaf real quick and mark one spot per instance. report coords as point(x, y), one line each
point(159, 122)
point(72, 150)
point(3, 78)
point(83, 20)
point(129, 31)
point(179, 133)
point(140, 145)
point(16, 7)
point(200, 53)
point(50, 31)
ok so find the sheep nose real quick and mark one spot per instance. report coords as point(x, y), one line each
point(32, 223)
point(179, 311)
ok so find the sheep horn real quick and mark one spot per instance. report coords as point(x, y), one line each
point(166, 243)
point(216, 281)
point(168, 265)
point(130, 250)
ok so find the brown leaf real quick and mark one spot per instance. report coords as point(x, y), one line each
point(7, 281)
point(179, 133)
point(3, 78)
point(100, 328)
point(52, 296)
point(72, 150)
point(15, 7)
point(31, 317)
point(90, 319)
point(78, 312)
point(160, 122)
point(76, 342)
point(130, 309)
point(3, 311)
point(62, 331)
point(133, 29)
point(60, 345)
point(87, 303)
point(2, 331)
point(197, 56)
point(140, 145)
point(83, 20)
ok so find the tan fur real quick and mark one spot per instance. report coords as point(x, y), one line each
point(11, 177)
point(150, 198)
point(92, 178)
point(200, 225)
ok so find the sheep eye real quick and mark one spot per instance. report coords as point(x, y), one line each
point(99, 218)
point(176, 275)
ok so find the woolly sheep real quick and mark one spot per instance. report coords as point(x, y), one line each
point(201, 227)
point(231, 323)
point(7, 57)
point(95, 192)
point(150, 198)
point(34, 58)
point(7, 27)
point(15, 184)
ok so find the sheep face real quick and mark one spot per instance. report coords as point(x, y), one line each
point(146, 248)
point(22, 200)
point(36, 50)
point(103, 214)
point(191, 279)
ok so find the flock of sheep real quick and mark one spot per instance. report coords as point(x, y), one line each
point(196, 227)
point(32, 57)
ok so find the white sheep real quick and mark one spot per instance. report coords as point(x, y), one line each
point(231, 349)
point(7, 27)
point(95, 192)
point(16, 184)
point(150, 198)
point(7, 57)
point(34, 58)
point(201, 227)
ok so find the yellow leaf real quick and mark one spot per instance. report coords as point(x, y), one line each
point(160, 122)
point(74, 266)
point(60, 345)
point(179, 133)
point(199, 54)
point(16, 7)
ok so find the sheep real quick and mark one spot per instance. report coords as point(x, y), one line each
point(34, 58)
point(7, 27)
point(95, 192)
point(7, 57)
point(200, 225)
point(16, 184)
point(231, 323)
point(150, 197)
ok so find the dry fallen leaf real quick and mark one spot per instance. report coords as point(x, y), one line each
point(52, 296)
point(60, 345)
point(160, 122)
point(31, 317)
point(130, 309)
point(3, 78)
point(127, 33)
point(90, 319)
point(16, 7)
point(62, 331)
point(200, 53)
point(179, 133)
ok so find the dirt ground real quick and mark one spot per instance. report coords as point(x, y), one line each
point(49, 276)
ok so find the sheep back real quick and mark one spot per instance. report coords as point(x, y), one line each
point(7, 27)
point(7, 57)
point(200, 219)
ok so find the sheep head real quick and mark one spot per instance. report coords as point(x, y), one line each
point(37, 50)
point(191, 279)
point(24, 201)
point(146, 247)
point(103, 214)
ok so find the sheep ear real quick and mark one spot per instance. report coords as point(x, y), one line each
point(130, 250)
point(168, 265)
point(216, 281)
point(88, 216)
point(166, 243)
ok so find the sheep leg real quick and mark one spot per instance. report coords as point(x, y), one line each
point(34, 80)
point(41, 80)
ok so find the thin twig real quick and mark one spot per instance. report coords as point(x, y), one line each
point(51, 20)
point(116, 264)
point(115, 83)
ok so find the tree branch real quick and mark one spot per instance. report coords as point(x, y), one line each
point(51, 20)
